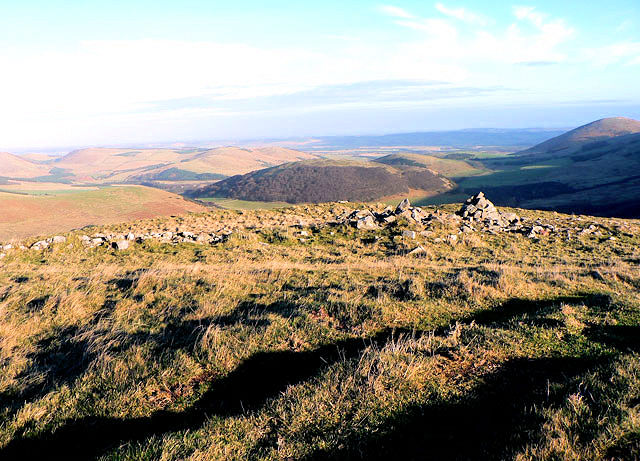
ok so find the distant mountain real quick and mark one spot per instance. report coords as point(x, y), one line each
point(600, 130)
point(493, 137)
point(131, 165)
point(12, 166)
point(593, 169)
point(327, 180)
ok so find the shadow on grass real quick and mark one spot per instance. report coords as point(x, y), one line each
point(488, 423)
point(491, 422)
point(247, 388)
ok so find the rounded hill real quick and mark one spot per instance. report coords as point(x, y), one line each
point(12, 166)
point(446, 167)
point(325, 181)
point(599, 130)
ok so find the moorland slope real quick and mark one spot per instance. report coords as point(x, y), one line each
point(301, 337)
point(12, 166)
point(134, 165)
point(600, 130)
point(327, 180)
point(29, 213)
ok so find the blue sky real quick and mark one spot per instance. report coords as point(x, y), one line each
point(117, 72)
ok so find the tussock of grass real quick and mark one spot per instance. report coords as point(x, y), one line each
point(338, 347)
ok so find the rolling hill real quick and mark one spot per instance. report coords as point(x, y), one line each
point(229, 161)
point(113, 165)
point(446, 167)
point(29, 213)
point(12, 166)
point(592, 169)
point(600, 130)
point(327, 180)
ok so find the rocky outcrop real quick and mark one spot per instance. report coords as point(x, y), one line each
point(477, 210)
point(124, 241)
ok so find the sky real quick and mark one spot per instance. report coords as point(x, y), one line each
point(80, 73)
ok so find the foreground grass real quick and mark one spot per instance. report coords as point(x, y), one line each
point(335, 347)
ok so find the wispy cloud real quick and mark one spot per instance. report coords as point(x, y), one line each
point(463, 14)
point(533, 37)
point(395, 11)
point(627, 53)
point(379, 93)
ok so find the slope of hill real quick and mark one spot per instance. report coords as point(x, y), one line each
point(110, 165)
point(325, 342)
point(446, 167)
point(229, 161)
point(597, 171)
point(28, 213)
point(600, 130)
point(325, 181)
point(12, 166)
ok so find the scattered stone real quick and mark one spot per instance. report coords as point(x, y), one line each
point(41, 245)
point(417, 251)
point(403, 206)
point(409, 234)
point(120, 245)
point(367, 222)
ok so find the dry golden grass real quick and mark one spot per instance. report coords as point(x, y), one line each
point(337, 347)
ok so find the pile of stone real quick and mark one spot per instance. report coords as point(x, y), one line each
point(480, 211)
point(367, 219)
point(42, 244)
point(123, 241)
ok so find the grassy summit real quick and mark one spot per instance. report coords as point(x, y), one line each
point(297, 339)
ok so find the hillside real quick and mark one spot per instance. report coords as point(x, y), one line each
point(12, 166)
point(600, 130)
point(300, 337)
point(326, 180)
point(116, 165)
point(596, 172)
point(446, 167)
point(36, 212)
point(229, 161)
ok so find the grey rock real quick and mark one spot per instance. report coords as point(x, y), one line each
point(120, 245)
point(409, 234)
point(403, 206)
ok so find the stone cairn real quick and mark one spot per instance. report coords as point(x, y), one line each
point(476, 214)
point(480, 211)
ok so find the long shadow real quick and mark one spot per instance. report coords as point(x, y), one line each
point(61, 359)
point(57, 361)
point(492, 418)
point(531, 309)
point(491, 423)
point(247, 388)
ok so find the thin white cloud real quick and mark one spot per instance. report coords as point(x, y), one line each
point(462, 14)
point(533, 37)
point(395, 12)
point(627, 53)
